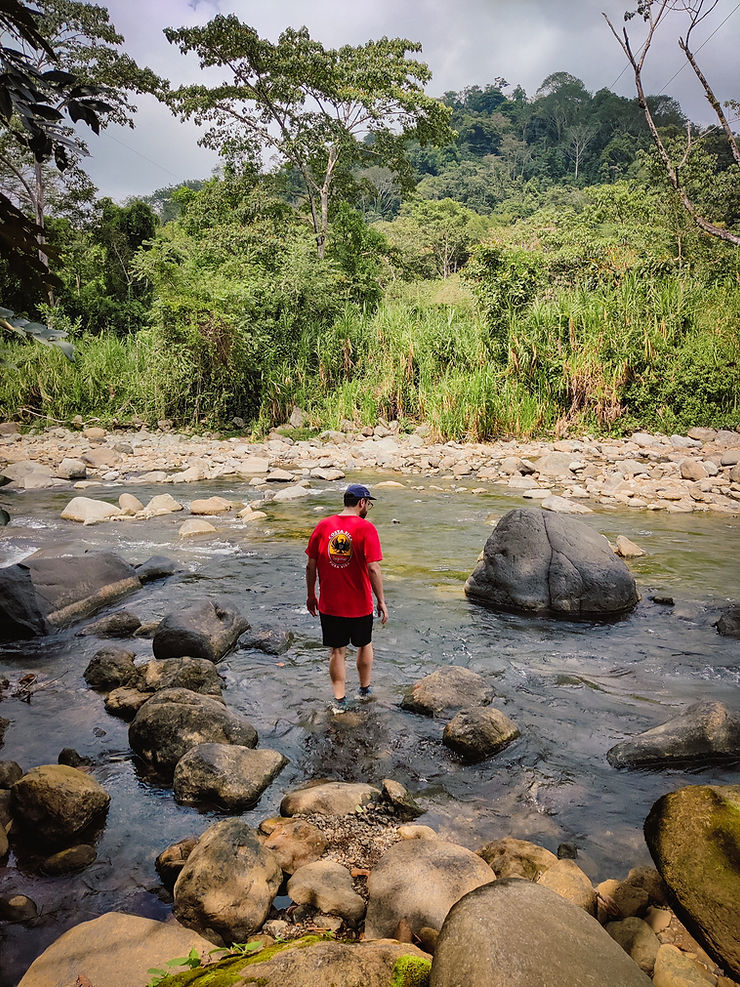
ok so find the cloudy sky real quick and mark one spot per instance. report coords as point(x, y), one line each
point(465, 42)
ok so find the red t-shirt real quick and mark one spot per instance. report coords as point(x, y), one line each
point(343, 545)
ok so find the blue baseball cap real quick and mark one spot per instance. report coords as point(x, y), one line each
point(357, 490)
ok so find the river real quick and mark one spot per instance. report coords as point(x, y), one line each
point(574, 689)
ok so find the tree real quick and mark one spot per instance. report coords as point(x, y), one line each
point(322, 110)
point(82, 43)
point(653, 13)
point(34, 105)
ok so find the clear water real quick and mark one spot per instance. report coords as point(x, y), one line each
point(574, 689)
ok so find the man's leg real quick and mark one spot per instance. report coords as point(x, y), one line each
point(338, 671)
point(365, 664)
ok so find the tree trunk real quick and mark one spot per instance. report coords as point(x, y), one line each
point(40, 204)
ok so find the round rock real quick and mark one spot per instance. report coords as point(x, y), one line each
point(513, 933)
point(230, 777)
point(332, 798)
point(447, 690)
point(479, 733)
point(56, 802)
point(110, 668)
point(327, 886)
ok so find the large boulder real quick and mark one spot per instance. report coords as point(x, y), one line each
point(174, 720)
point(447, 690)
point(550, 564)
point(330, 798)
point(693, 835)
point(41, 593)
point(517, 934)
point(201, 630)
point(705, 733)
point(112, 949)
point(479, 733)
point(228, 883)
point(418, 881)
point(230, 777)
point(54, 803)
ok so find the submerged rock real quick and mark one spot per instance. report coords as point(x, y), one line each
point(201, 630)
point(693, 836)
point(479, 733)
point(513, 933)
point(705, 733)
point(538, 562)
point(120, 624)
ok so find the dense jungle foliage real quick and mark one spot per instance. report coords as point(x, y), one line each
point(518, 264)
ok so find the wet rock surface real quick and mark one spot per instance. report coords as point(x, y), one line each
point(447, 690)
point(55, 803)
point(479, 733)
point(230, 777)
point(201, 630)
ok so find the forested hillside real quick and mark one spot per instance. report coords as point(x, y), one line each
point(492, 262)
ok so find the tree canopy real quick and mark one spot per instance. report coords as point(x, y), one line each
point(321, 110)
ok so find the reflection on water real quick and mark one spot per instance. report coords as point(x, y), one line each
point(573, 689)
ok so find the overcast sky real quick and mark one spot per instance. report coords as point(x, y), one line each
point(465, 42)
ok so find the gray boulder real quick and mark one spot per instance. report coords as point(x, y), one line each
point(156, 567)
point(201, 630)
point(267, 639)
point(693, 836)
point(175, 720)
point(513, 933)
point(54, 804)
point(418, 881)
point(110, 668)
point(228, 883)
point(551, 564)
point(41, 593)
point(230, 777)
point(327, 886)
point(705, 733)
point(479, 733)
point(195, 674)
point(447, 690)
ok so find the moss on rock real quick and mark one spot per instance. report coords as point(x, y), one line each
point(411, 971)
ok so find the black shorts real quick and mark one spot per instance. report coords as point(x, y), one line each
point(340, 631)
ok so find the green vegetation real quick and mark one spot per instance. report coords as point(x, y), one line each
point(536, 274)
point(411, 971)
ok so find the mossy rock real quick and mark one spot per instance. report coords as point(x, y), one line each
point(693, 835)
point(313, 959)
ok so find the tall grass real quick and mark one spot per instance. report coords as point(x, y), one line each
point(661, 353)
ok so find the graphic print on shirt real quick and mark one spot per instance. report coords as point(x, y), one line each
point(340, 548)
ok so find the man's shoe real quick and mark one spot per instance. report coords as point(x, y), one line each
point(364, 693)
point(339, 705)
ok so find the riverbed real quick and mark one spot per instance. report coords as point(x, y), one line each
point(574, 689)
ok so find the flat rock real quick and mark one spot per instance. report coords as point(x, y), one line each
point(230, 777)
point(513, 933)
point(211, 505)
point(693, 835)
point(88, 511)
point(447, 690)
point(333, 798)
point(112, 949)
point(705, 733)
point(194, 527)
point(561, 505)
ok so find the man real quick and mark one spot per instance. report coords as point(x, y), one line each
point(344, 550)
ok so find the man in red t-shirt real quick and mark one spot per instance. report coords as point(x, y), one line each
point(344, 551)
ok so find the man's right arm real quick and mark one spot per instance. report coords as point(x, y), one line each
point(311, 601)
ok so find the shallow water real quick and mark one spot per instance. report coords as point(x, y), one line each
point(573, 689)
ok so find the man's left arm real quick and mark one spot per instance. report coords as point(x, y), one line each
point(376, 581)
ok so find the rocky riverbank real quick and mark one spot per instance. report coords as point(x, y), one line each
point(696, 472)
